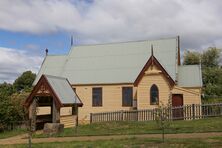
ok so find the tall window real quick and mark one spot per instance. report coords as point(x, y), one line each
point(154, 95)
point(97, 96)
point(127, 96)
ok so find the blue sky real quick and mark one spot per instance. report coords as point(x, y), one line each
point(36, 44)
point(28, 27)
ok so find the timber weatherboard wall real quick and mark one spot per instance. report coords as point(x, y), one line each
point(152, 76)
point(190, 95)
point(111, 100)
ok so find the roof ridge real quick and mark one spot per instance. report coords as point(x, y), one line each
point(58, 77)
point(119, 42)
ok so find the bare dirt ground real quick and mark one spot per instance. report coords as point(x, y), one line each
point(22, 139)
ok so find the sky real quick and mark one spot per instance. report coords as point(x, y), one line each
point(27, 27)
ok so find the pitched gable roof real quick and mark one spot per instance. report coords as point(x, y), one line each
point(153, 61)
point(57, 87)
point(190, 76)
point(111, 63)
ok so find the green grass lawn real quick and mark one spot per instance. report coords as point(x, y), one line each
point(132, 142)
point(115, 128)
point(12, 133)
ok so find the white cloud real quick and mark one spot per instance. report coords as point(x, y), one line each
point(197, 22)
point(14, 62)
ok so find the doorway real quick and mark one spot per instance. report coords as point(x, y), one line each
point(177, 103)
point(44, 111)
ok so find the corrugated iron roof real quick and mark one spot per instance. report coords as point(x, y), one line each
point(63, 90)
point(111, 63)
point(52, 65)
point(190, 76)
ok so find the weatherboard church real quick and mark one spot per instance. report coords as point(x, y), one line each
point(111, 77)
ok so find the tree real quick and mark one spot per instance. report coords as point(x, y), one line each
point(191, 58)
point(12, 98)
point(212, 80)
point(17, 100)
point(11, 109)
point(6, 89)
point(162, 116)
point(210, 58)
point(24, 81)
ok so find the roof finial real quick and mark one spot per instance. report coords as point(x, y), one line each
point(46, 52)
point(71, 41)
point(151, 49)
point(151, 56)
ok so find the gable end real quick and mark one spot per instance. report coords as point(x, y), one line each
point(153, 61)
point(43, 82)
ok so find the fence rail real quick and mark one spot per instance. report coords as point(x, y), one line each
point(186, 112)
point(13, 125)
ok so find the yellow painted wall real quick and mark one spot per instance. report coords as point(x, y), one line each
point(190, 95)
point(111, 100)
point(46, 110)
point(155, 76)
point(152, 76)
point(65, 111)
point(68, 121)
point(112, 95)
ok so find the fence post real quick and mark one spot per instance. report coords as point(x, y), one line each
point(121, 115)
point(30, 133)
point(220, 109)
point(90, 118)
point(193, 111)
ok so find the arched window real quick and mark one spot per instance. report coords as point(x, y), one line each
point(154, 94)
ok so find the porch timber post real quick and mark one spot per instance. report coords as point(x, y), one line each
point(55, 113)
point(75, 112)
point(32, 115)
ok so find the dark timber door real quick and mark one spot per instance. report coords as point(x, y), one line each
point(177, 101)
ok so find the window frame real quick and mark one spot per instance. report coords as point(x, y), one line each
point(157, 90)
point(124, 104)
point(100, 104)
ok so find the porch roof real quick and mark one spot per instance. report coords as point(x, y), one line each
point(58, 87)
point(63, 89)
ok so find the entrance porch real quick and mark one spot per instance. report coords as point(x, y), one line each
point(53, 101)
